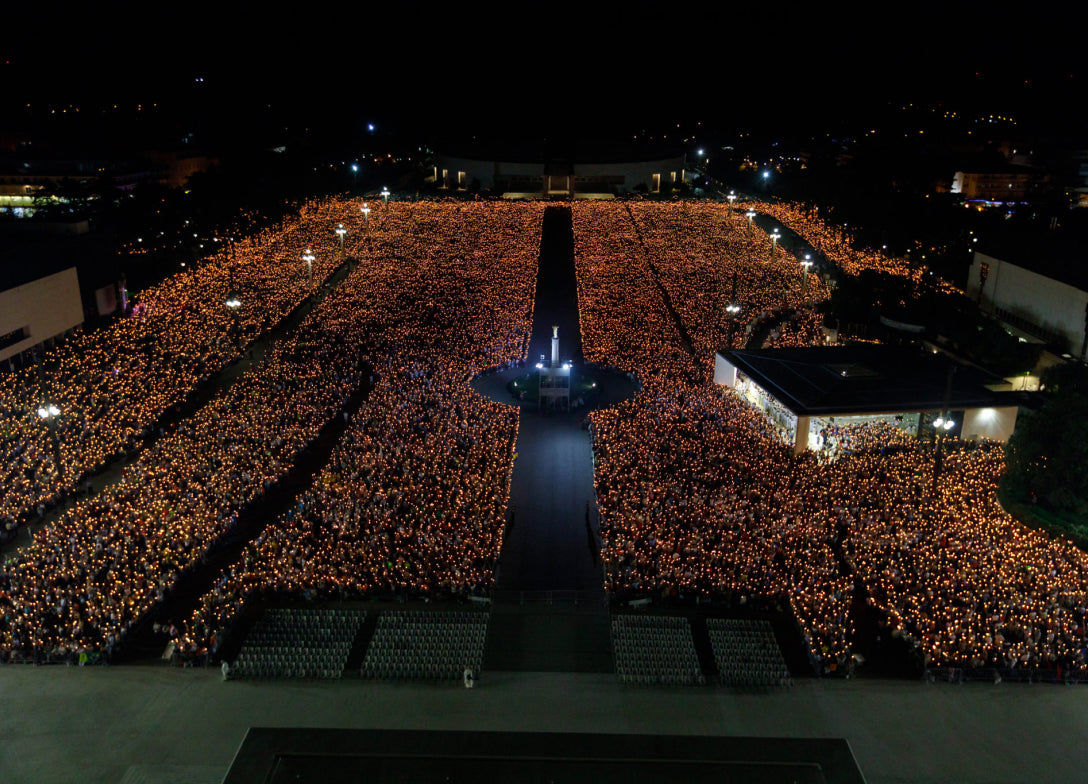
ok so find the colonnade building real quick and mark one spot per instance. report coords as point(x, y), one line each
point(542, 170)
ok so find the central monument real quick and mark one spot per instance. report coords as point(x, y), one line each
point(554, 379)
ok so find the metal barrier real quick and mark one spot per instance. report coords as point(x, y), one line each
point(1002, 674)
point(573, 597)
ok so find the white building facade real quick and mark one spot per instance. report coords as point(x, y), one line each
point(558, 178)
point(38, 311)
point(1043, 306)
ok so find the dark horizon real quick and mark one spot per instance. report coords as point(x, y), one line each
point(569, 72)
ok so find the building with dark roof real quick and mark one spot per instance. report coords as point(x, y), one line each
point(806, 391)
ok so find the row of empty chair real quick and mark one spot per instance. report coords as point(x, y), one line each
point(299, 643)
point(746, 653)
point(655, 649)
point(423, 645)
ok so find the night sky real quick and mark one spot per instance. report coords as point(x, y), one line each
point(551, 68)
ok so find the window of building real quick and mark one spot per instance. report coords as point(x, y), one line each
point(15, 336)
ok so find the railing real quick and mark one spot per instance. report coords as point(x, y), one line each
point(1001, 674)
point(573, 597)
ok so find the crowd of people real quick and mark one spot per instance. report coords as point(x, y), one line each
point(837, 440)
point(724, 279)
point(698, 496)
point(413, 498)
point(89, 576)
point(709, 258)
point(111, 385)
point(956, 575)
point(838, 245)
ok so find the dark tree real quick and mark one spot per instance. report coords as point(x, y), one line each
point(1047, 456)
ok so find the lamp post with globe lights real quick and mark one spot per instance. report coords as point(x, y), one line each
point(805, 265)
point(233, 304)
point(943, 424)
point(341, 231)
point(48, 413)
point(309, 257)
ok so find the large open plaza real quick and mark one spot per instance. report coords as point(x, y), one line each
point(376, 455)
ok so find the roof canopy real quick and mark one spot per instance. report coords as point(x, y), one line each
point(862, 379)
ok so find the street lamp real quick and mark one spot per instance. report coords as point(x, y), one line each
point(49, 413)
point(233, 303)
point(942, 423)
point(366, 215)
point(385, 194)
point(732, 309)
point(340, 230)
point(774, 242)
point(308, 257)
point(354, 174)
point(750, 214)
point(732, 198)
point(804, 275)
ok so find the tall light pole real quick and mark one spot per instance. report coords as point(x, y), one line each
point(341, 231)
point(48, 412)
point(804, 274)
point(774, 242)
point(732, 198)
point(354, 174)
point(732, 309)
point(233, 303)
point(943, 422)
point(750, 214)
point(366, 215)
point(308, 257)
point(385, 194)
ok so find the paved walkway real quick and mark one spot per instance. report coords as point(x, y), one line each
point(97, 725)
point(551, 548)
point(552, 539)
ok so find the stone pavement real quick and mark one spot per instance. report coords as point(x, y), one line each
point(158, 724)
